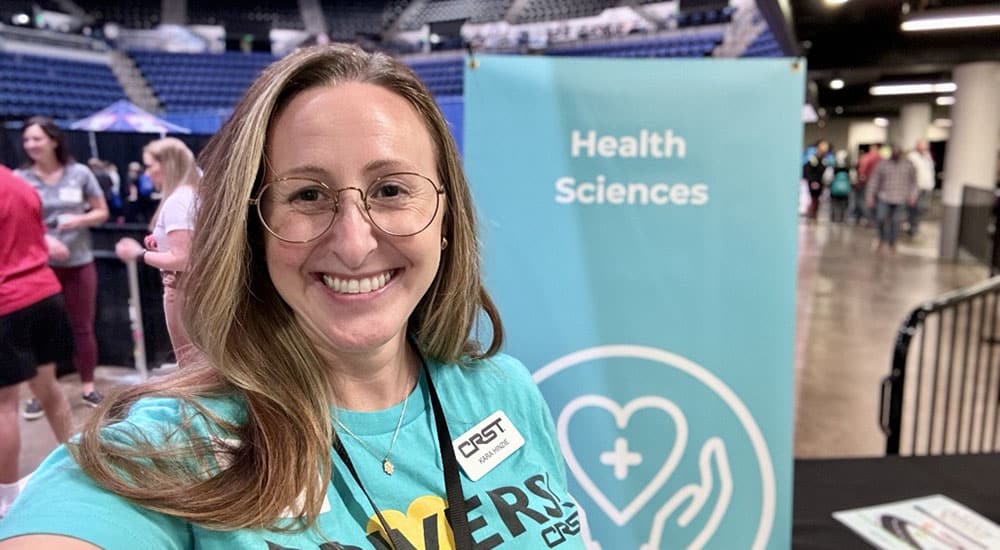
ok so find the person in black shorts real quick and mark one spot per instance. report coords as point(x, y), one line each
point(35, 331)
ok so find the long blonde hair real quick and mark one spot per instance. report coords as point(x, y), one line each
point(253, 346)
point(176, 165)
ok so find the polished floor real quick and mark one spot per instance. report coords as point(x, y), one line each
point(851, 301)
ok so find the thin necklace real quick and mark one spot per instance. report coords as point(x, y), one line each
point(387, 465)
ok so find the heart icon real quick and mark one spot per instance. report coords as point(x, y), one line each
point(622, 415)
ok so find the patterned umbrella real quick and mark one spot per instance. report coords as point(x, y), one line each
point(124, 116)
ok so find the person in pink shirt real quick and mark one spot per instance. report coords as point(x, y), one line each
point(35, 331)
point(866, 165)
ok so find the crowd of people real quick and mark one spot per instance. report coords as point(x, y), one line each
point(327, 290)
point(48, 279)
point(133, 200)
point(887, 187)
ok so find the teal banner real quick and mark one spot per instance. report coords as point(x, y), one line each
point(639, 221)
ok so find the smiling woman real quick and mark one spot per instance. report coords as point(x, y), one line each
point(72, 203)
point(334, 285)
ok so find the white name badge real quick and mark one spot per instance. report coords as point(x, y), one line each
point(486, 445)
point(71, 194)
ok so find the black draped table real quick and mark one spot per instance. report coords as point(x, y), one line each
point(826, 486)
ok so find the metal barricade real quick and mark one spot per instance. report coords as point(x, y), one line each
point(942, 397)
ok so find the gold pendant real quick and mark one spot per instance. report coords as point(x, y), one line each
point(387, 467)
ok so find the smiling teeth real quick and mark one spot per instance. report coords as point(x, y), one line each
point(357, 286)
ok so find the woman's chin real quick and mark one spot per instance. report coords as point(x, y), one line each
point(359, 342)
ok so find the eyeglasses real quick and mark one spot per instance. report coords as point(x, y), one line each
point(299, 210)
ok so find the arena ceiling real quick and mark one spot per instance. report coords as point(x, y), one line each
point(861, 43)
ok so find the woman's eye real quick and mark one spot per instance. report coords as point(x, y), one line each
point(307, 195)
point(388, 190)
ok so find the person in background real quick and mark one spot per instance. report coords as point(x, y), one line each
point(866, 164)
point(334, 288)
point(142, 203)
point(72, 203)
point(116, 179)
point(108, 187)
point(34, 330)
point(923, 162)
point(171, 167)
point(893, 185)
point(812, 172)
point(840, 187)
point(132, 192)
point(118, 211)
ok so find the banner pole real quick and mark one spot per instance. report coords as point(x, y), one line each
point(135, 316)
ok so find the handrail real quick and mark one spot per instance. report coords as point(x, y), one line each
point(891, 389)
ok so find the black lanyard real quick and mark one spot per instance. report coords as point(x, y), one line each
point(455, 512)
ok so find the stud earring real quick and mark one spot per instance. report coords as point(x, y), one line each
point(444, 243)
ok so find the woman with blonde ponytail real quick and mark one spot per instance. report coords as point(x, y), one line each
point(171, 167)
point(343, 400)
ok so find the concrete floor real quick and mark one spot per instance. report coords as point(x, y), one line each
point(851, 301)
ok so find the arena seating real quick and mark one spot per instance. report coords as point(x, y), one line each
point(197, 82)
point(473, 11)
point(551, 10)
point(35, 85)
point(442, 76)
point(347, 18)
point(134, 14)
point(191, 85)
point(267, 13)
point(764, 45)
point(697, 45)
point(705, 17)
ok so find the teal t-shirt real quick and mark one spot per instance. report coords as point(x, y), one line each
point(522, 502)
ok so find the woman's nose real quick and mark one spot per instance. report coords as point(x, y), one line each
point(353, 237)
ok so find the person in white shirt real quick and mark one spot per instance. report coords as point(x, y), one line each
point(923, 162)
point(171, 167)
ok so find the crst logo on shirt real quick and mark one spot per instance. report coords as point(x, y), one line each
point(486, 445)
point(489, 433)
point(498, 516)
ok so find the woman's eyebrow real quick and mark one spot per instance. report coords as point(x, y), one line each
point(371, 167)
point(380, 165)
point(309, 170)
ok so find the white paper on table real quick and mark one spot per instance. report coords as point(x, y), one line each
point(933, 522)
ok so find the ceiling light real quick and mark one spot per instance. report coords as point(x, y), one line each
point(942, 19)
point(942, 122)
point(836, 84)
point(838, 109)
point(835, 2)
point(881, 122)
point(945, 100)
point(913, 88)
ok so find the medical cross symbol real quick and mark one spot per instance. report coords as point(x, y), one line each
point(621, 458)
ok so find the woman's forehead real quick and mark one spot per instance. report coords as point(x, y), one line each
point(352, 123)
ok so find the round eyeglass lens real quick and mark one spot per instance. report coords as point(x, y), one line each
point(297, 210)
point(402, 204)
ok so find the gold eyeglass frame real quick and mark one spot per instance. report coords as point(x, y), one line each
point(256, 203)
